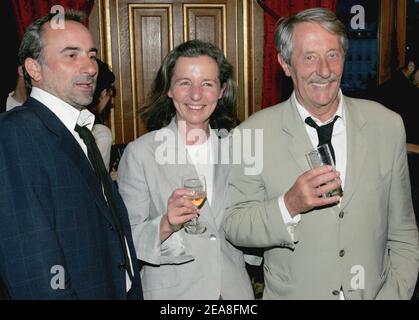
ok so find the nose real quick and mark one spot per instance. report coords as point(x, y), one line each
point(89, 66)
point(323, 68)
point(195, 93)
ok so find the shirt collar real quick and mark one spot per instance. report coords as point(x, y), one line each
point(68, 115)
point(304, 113)
point(12, 102)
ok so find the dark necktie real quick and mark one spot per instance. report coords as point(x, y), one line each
point(103, 177)
point(324, 133)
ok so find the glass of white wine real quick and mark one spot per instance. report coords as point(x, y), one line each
point(198, 186)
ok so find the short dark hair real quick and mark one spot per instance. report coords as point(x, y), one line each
point(32, 46)
point(158, 110)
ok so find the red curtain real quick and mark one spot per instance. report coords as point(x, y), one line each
point(27, 11)
point(276, 86)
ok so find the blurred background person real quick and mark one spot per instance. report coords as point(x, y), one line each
point(400, 95)
point(19, 95)
point(415, 78)
point(101, 107)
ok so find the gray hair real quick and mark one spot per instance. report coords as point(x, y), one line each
point(32, 45)
point(326, 18)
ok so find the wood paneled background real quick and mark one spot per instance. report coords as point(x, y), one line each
point(134, 36)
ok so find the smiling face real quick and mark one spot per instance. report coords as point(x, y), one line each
point(68, 67)
point(195, 90)
point(316, 68)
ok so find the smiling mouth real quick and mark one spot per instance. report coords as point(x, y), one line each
point(321, 85)
point(195, 107)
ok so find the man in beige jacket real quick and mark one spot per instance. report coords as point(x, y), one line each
point(363, 245)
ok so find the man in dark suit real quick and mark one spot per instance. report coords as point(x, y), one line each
point(400, 95)
point(60, 238)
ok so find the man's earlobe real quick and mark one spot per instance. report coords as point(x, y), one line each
point(33, 68)
point(284, 65)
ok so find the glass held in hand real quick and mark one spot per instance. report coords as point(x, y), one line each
point(198, 186)
point(322, 156)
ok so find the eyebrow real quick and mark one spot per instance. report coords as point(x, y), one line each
point(332, 49)
point(78, 49)
point(188, 79)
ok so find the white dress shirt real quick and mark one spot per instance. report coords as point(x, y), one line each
point(202, 157)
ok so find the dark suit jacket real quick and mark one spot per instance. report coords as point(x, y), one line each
point(54, 219)
point(399, 95)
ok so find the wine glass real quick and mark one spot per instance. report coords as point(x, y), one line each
point(198, 186)
point(321, 156)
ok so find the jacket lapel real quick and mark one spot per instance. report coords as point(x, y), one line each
point(356, 150)
point(220, 180)
point(72, 150)
point(299, 141)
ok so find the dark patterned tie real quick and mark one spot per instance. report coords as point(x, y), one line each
point(324, 133)
point(103, 176)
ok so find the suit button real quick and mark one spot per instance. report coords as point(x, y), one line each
point(111, 227)
point(213, 237)
point(341, 214)
point(335, 292)
point(121, 266)
point(341, 253)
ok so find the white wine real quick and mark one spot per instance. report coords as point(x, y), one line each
point(198, 201)
point(198, 198)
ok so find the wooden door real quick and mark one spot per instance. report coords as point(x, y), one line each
point(135, 35)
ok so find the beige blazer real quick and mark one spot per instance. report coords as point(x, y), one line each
point(183, 266)
point(368, 246)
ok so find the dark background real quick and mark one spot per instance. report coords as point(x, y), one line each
point(9, 50)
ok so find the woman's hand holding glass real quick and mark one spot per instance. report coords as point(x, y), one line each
point(180, 210)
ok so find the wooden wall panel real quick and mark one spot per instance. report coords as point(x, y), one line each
point(392, 15)
point(150, 40)
point(253, 55)
point(205, 23)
